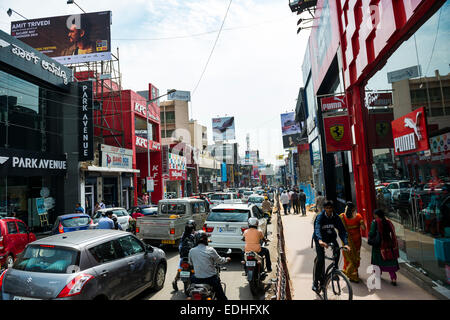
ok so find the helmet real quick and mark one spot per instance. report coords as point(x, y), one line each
point(253, 222)
point(201, 237)
point(266, 198)
point(191, 223)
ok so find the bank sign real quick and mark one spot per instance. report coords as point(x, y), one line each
point(15, 162)
point(410, 133)
point(113, 157)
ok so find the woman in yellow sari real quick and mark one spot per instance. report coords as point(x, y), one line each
point(353, 223)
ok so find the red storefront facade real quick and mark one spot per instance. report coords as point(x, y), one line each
point(370, 39)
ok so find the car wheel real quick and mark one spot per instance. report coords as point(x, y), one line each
point(9, 261)
point(160, 277)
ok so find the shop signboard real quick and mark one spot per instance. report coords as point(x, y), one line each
point(379, 99)
point(114, 157)
point(223, 128)
point(224, 172)
point(333, 103)
point(144, 144)
point(177, 167)
point(379, 130)
point(337, 133)
point(410, 133)
point(290, 130)
point(440, 143)
point(57, 36)
point(15, 162)
point(180, 95)
point(86, 121)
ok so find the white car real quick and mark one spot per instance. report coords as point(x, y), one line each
point(223, 197)
point(122, 216)
point(398, 187)
point(226, 224)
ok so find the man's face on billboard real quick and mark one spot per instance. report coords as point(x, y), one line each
point(75, 34)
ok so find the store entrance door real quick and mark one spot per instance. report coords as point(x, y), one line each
point(89, 199)
point(110, 191)
point(125, 198)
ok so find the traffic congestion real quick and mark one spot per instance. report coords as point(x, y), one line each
point(123, 254)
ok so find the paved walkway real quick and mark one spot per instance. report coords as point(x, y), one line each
point(300, 258)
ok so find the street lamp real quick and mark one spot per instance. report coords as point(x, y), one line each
point(10, 12)
point(148, 135)
point(73, 2)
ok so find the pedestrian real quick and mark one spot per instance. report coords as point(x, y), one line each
point(302, 201)
point(102, 204)
point(353, 223)
point(384, 244)
point(105, 222)
point(284, 199)
point(97, 207)
point(113, 217)
point(294, 201)
point(290, 192)
point(320, 200)
point(79, 208)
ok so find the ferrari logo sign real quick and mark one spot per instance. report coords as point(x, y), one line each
point(382, 128)
point(337, 132)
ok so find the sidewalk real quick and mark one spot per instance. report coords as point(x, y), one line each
point(300, 258)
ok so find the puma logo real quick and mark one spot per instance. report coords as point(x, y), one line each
point(409, 123)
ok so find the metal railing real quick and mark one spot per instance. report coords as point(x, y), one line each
point(282, 284)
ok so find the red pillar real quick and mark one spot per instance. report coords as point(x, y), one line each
point(361, 155)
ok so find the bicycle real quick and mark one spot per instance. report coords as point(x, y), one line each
point(336, 283)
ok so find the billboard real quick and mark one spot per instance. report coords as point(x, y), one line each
point(223, 128)
point(290, 130)
point(180, 95)
point(68, 39)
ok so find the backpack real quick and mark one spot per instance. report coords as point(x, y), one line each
point(186, 245)
point(302, 197)
point(294, 196)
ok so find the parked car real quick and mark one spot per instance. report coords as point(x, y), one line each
point(247, 194)
point(143, 210)
point(122, 216)
point(223, 197)
point(14, 236)
point(72, 222)
point(227, 222)
point(85, 265)
point(398, 187)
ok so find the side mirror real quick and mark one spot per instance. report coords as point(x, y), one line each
point(149, 248)
point(229, 251)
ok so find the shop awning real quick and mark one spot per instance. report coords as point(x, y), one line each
point(105, 169)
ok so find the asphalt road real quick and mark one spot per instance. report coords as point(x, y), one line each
point(237, 287)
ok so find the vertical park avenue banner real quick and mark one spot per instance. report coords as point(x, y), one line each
point(68, 39)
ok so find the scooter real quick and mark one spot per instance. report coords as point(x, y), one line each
point(203, 291)
point(186, 272)
point(255, 271)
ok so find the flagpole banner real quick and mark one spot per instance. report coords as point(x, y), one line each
point(337, 133)
point(290, 130)
point(410, 133)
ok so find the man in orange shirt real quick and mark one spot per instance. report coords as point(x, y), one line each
point(252, 238)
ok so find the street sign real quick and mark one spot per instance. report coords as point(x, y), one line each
point(150, 184)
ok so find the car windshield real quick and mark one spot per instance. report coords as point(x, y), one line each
point(48, 259)
point(146, 211)
point(75, 222)
point(230, 215)
point(173, 208)
point(221, 197)
point(247, 193)
point(120, 213)
point(256, 199)
point(404, 185)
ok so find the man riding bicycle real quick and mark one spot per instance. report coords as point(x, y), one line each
point(324, 234)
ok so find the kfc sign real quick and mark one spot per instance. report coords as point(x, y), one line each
point(142, 142)
point(410, 133)
point(333, 103)
point(142, 110)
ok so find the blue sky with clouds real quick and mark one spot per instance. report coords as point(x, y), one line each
point(254, 73)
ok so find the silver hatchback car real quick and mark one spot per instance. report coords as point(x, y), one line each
point(84, 265)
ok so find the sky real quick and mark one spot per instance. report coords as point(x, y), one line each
point(254, 73)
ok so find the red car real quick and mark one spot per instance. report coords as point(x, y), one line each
point(14, 236)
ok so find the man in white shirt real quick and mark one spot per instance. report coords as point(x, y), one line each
point(284, 199)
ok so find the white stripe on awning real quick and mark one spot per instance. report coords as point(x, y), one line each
point(105, 169)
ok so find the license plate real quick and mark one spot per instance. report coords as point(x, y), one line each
point(250, 263)
point(185, 274)
point(23, 298)
point(231, 229)
point(168, 241)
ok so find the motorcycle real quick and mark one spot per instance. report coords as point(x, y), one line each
point(186, 272)
point(203, 291)
point(255, 271)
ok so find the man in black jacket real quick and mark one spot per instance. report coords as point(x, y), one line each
point(302, 200)
point(324, 234)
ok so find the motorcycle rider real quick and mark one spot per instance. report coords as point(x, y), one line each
point(253, 237)
point(204, 260)
point(267, 207)
point(186, 244)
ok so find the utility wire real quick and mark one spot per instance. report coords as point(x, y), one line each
point(214, 46)
point(434, 44)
